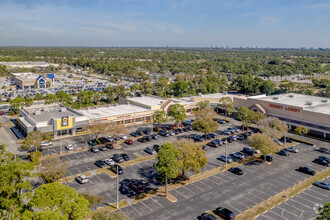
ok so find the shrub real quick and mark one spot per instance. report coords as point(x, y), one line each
point(33, 156)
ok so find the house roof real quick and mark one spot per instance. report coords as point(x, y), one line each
point(39, 77)
point(51, 75)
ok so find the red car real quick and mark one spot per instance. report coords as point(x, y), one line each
point(129, 141)
point(2, 112)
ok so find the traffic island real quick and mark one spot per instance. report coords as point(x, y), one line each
point(282, 196)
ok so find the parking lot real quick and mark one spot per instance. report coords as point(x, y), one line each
point(238, 193)
point(301, 206)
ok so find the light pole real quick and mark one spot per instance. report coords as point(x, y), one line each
point(61, 139)
point(117, 187)
point(226, 153)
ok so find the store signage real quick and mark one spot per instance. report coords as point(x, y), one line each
point(123, 116)
point(65, 121)
point(290, 109)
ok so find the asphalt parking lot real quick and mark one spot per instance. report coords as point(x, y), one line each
point(301, 206)
point(238, 193)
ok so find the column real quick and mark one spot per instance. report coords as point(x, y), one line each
point(74, 131)
point(55, 134)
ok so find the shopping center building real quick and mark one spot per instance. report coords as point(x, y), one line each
point(295, 109)
point(32, 80)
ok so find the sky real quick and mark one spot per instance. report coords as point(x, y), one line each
point(173, 23)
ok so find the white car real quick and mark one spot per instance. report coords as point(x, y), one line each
point(69, 147)
point(123, 136)
point(109, 162)
point(172, 133)
point(46, 143)
point(82, 179)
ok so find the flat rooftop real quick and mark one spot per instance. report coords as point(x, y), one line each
point(104, 112)
point(42, 114)
point(307, 102)
point(147, 100)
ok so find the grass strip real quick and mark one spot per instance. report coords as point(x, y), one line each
point(282, 196)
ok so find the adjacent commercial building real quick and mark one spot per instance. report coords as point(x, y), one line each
point(32, 80)
point(296, 110)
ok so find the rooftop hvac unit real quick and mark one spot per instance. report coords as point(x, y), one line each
point(275, 98)
point(324, 100)
point(309, 103)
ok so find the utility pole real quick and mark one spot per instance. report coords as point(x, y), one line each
point(61, 139)
point(117, 187)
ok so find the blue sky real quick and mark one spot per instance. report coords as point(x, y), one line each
point(185, 23)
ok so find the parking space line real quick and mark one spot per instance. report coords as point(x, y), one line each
point(311, 195)
point(293, 199)
point(320, 194)
point(98, 178)
point(180, 193)
point(292, 207)
point(268, 217)
point(156, 202)
point(194, 185)
point(146, 206)
point(277, 214)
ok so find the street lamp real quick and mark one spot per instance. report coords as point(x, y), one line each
point(117, 187)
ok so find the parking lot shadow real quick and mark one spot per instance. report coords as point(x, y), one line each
point(253, 163)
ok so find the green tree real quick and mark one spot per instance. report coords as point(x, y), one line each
point(50, 99)
point(273, 127)
point(192, 156)
point(167, 163)
point(28, 100)
point(203, 104)
point(263, 143)
point(178, 113)
point(38, 97)
point(33, 139)
point(64, 97)
point(92, 199)
point(17, 102)
point(135, 87)
point(14, 183)
point(301, 130)
point(227, 104)
point(53, 169)
point(257, 117)
point(206, 121)
point(56, 201)
point(245, 115)
point(267, 87)
point(324, 212)
point(160, 116)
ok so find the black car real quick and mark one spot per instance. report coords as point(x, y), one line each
point(156, 147)
point(103, 140)
point(164, 133)
point(212, 144)
point(230, 139)
point(324, 158)
point(206, 136)
point(134, 134)
point(125, 156)
point(268, 157)
point(109, 146)
point(198, 138)
point(306, 170)
point(283, 153)
point(147, 137)
point(321, 162)
point(139, 132)
point(100, 163)
point(114, 168)
point(154, 136)
point(176, 131)
point(142, 140)
point(188, 127)
point(207, 216)
point(147, 131)
point(240, 137)
point(224, 213)
point(236, 170)
point(248, 151)
point(118, 158)
point(92, 142)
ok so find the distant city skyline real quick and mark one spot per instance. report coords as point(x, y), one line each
point(173, 23)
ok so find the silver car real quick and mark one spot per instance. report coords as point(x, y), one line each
point(151, 151)
point(292, 149)
point(82, 179)
point(223, 158)
point(323, 185)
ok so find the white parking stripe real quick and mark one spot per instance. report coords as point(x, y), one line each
point(194, 185)
point(156, 202)
point(180, 193)
point(316, 192)
point(146, 205)
point(276, 213)
point(99, 178)
point(293, 199)
point(304, 192)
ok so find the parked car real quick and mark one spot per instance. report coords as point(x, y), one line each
point(249, 151)
point(224, 213)
point(324, 158)
point(223, 158)
point(46, 143)
point(236, 170)
point(137, 188)
point(134, 134)
point(321, 162)
point(156, 147)
point(114, 168)
point(147, 137)
point(123, 136)
point(324, 150)
point(92, 142)
point(207, 216)
point(292, 149)
point(102, 148)
point(183, 177)
point(2, 112)
point(306, 170)
point(139, 132)
point(82, 179)
point(69, 147)
point(94, 149)
point(109, 146)
point(100, 163)
point(147, 131)
point(238, 155)
point(198, 138)
point(118, 158)
point(323, 185)
point(164, 133)
point(109, 161)
point(142, 140)
point(129, 141)
point(154, 136)
point(151, 150)
point(268, 157)
point(283, 153)
point(125, 156)
point(212, 144)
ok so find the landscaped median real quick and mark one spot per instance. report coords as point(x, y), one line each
point(283, 196)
